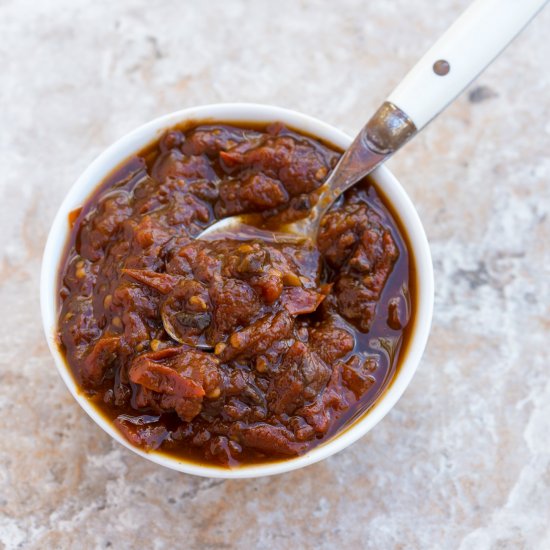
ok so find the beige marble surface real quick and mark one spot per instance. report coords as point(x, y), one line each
point(463, 461)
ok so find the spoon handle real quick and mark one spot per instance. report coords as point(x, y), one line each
point(466, 48)
point(457, 58)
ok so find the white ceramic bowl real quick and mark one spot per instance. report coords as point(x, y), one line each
point(239, 112)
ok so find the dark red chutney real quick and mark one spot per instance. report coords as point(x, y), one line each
point(232, 351)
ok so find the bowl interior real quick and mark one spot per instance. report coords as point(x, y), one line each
point(241, 112)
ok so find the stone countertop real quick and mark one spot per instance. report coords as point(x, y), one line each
point(463, 460)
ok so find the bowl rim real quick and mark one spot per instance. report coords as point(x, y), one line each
point(133, 141)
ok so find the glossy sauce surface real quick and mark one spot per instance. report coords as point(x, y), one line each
point(231, 352)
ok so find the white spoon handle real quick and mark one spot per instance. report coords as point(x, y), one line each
point(466, 48)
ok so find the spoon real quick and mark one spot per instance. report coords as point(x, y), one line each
point(464, 51)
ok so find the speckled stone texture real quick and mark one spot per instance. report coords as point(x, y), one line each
point(463, 460)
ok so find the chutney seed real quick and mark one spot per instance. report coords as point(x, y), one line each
point(291, 279)
point(321, 173)
point(107, 301)
point(117, 322)
point(214, 394)
point(261, 364)
point(155, 344)
point(198, 301)
point(220, 346)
